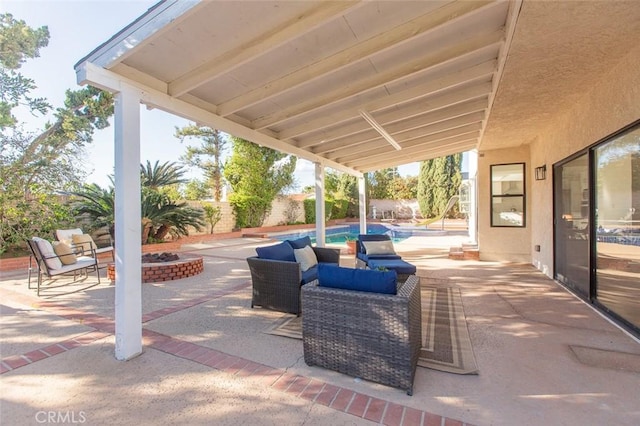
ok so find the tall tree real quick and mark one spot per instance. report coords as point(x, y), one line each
point(379, 183)
point(33, 166)
point(342, 188)
point(196, 189)
point(207, 156)
point(257, 175)
point(404, 188)
point(438, 181)
point(18, 42)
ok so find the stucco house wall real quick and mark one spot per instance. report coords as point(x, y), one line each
point(608, 105)
point(502, 243)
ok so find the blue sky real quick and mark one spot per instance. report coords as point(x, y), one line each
point(78, 27)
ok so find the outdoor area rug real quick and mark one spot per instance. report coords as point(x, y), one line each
point(446, 347)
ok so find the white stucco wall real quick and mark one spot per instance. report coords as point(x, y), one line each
point(501, 243)
point(606, 107)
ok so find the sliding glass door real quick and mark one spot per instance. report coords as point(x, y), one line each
point(597, 226)
point(617, 245)
point(571, 217)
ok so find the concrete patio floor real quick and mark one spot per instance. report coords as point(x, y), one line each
point(544, 357)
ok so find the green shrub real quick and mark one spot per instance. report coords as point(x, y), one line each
point(250, 210)
point(310, 210)
point(340, 208)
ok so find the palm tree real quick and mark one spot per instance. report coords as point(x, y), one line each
point(97, 204)
point(160, 214)
point(159, 175)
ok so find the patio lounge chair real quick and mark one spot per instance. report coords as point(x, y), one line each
point(375, 251)
point(362, 334)
point(83, 241)
point(276, 276)
point(51, 264)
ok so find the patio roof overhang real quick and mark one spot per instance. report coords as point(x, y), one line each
point(337, 83)
point(355, 86)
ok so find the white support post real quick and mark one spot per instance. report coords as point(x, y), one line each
point(473, 191)
point(363, 204)
point(128, 297)
point(320, 213)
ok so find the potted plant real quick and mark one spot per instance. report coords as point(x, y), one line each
point(351, 245)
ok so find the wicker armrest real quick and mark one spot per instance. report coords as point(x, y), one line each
point(327, 255)
point(276, 284)
point(369, 335)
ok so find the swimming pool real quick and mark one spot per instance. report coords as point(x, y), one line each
point(339, 234)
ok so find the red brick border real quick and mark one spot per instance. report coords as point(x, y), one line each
point(187, 266)
point(316, 391)
point(335, 397)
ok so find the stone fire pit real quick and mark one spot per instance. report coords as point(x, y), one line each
point(157, 267)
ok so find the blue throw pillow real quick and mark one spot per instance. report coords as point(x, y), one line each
point(357, 279)
point(282, 251)
point(300, 242)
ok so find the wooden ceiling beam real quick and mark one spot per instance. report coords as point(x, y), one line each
point(381, 148)
point(258, 46)
point(426, 119)
point(449, 13)
point(478, 94)
point(410, 134)
point(332, 121)
point(403, 71)
point(459, 143)
point(441, 151)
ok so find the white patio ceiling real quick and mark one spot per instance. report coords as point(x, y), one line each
point(306, 77)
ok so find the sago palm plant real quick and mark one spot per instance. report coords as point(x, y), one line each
point(160, 214)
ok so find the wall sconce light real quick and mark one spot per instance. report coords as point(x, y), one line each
point(541, 172)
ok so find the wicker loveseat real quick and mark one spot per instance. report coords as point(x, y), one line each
point(276, 282)
point(368, 335)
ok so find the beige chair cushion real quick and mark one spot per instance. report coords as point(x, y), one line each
point(66, 235)
point(46, 250)
point(306, 257)
point(83, 242)
point(379, 247)
point(67, 256)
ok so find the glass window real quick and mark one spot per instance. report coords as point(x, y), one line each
point(617, 198)
point(507, 195)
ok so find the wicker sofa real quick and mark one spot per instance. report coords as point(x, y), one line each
point(368, 335)
point(276, 283)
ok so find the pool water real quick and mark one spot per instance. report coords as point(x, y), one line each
point(340, 234)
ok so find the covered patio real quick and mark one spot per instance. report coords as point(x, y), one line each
point(544, 357)
point(359, 86)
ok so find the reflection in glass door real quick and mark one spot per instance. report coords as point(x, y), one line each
point(571, 216)
point(617, 202)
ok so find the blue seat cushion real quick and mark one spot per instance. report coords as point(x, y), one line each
point(366, 257)
point(334, 276)
point(398, 265)
point(281, 251)
point(300, 242)
point(309, 275)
